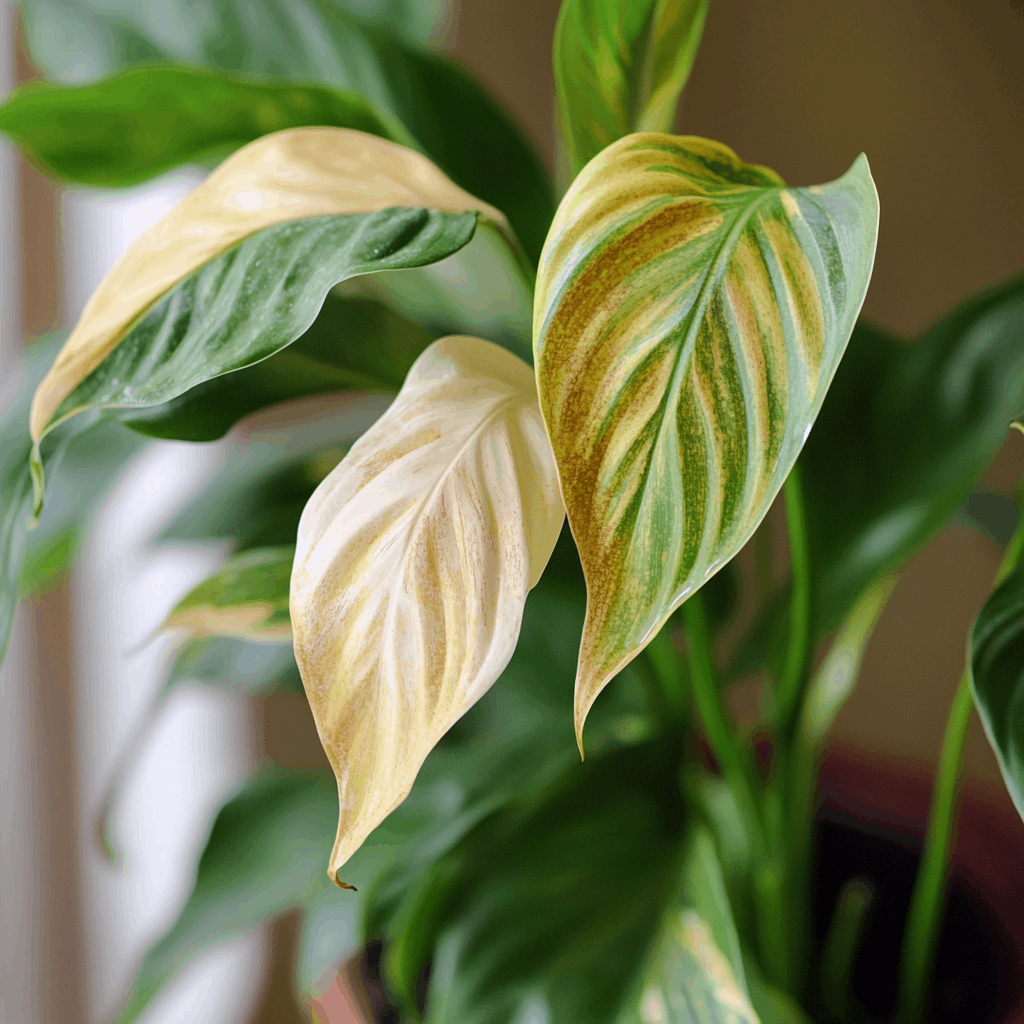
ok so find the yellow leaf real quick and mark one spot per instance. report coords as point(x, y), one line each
point(293, 174)
point(414, 559)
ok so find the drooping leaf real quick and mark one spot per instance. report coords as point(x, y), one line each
point(414, 559)
point(212, 288)
point(144, 121)
point(31, 559)
point(997, 679)
point(353, 344)
point(311, 42)
point(620, 67)
point(263, 856)
point(930, 417)
point(691, 311)
point(247, 598)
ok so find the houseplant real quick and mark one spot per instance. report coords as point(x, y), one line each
point(496, 871)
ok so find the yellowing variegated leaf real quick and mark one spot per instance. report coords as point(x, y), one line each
point(690, 313)
point(286, 176)
point(247, 598)
point(414, 559)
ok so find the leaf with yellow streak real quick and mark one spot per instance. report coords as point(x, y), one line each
point(414, 559)
point(247, 598)
point(690, 314)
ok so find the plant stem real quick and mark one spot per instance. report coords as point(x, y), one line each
point(841, 945)
point(734, 761)
point(789, 691)
point(925, 919)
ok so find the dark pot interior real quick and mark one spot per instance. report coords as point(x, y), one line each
point(977, 970)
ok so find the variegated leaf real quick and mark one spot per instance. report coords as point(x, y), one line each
point(247, 598)
point(414, 559)
point(620, 67)
point(690, 313)
point(238, 269)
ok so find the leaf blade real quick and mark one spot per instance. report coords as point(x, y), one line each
point(690, 314)
point(620, 68)
point(450, 505)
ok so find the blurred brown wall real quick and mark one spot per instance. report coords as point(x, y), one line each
point(933, 92)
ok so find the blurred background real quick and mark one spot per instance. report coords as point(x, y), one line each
point(931, 90)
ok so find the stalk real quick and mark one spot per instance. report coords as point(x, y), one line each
point(921, 937)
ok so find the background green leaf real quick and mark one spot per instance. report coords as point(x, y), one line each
point(997, 679)
point(246, 598)
point(552, 908)
point(620, 67)
point(929, 418)
point(31, 559)
point(135, 125)
point(311, 42)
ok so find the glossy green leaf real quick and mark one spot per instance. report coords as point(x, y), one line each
point(997, 678)
point(352, 345)
point(555, 905)
point(247, 598)
point(266, 848)
point(31, 559)
point(930, 417)
point(620, 67)
point(138, 124)
point(691, 311)
point(311, 42)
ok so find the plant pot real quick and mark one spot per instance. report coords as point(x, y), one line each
point(871, 824)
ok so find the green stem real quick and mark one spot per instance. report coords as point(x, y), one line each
point(842, 943)
point(925, 919)
point(789, 692)
point(733, 760)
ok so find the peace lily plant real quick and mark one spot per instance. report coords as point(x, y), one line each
point(644, 360)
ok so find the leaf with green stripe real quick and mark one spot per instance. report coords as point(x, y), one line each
point(312, 42)
point(135, 125)
point(246, 598)
point(690, 313)
point(620, 67)
point(240, 267)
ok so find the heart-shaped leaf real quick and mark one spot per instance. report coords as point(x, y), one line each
point(414, 559)
point(246, 598)
point(691, 311)
point(620, 67)
point(135, 125)
point(997, 678)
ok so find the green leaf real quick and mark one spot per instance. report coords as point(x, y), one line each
point(268, 846)
point(352, 345)
point(31, 559)
point(620, 67)
point(691, 311)
point(259, 493)
point(930, 417)
point(997, 678)
point(312, 42)
point(247, 598)
point(138, 124)
point(555, 905)
point(256, 669)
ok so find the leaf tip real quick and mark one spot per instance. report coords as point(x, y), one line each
point(340, 884)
